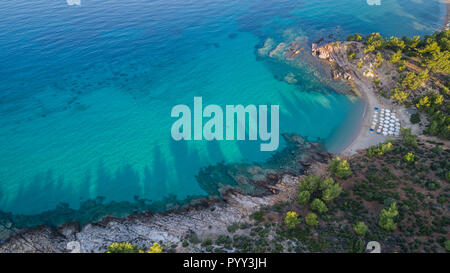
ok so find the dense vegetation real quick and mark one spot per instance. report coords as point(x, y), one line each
point(395, 193)
point(126, 247)
point(423, 65)
point(402, 204)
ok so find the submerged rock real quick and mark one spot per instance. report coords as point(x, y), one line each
point(290, 78)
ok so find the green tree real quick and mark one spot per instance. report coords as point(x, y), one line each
point(396, 57)
point(311, 219)
point(303, 197)
point(401, 66)
point(379, 150)
point(396, 43)
point(379, 59)
point(310, 183)
point(413, 81)
point(409, 157)
point(340, 168)
point(386, 218)
point(291, 220)
point(331, 192)
point(325, 184)
point(411, 45)
point(438, 62)
point(357, 37)
point(374, 42)
point(319, 206)
point(360, 228)
point(399, 95)
point(430, 48)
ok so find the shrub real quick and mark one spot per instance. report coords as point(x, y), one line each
point(311, 219)
point(360, 64)
point(351, 55)
point(357, 37)
point(340, 168)
point(258, 216)
point(123, 247)
point(155, 248)
point(291, 220)
point(409, 157)
point(360, 228)
point(415, 118)
point(408, 138)
point(447, 245)
point(379, 60)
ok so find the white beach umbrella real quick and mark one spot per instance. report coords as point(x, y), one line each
point(384, 133)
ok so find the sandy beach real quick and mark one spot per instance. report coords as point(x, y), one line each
point(364, 87)
point(364, 138)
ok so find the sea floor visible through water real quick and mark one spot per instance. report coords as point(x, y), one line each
point(86, 93)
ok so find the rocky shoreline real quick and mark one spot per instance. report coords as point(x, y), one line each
point(205, 217)
point(256, 185)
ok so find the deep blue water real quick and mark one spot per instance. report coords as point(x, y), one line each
point(86, 91)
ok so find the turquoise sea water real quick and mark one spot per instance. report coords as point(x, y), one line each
point(86, 91)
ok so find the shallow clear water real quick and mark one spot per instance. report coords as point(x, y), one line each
point(86, 91)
